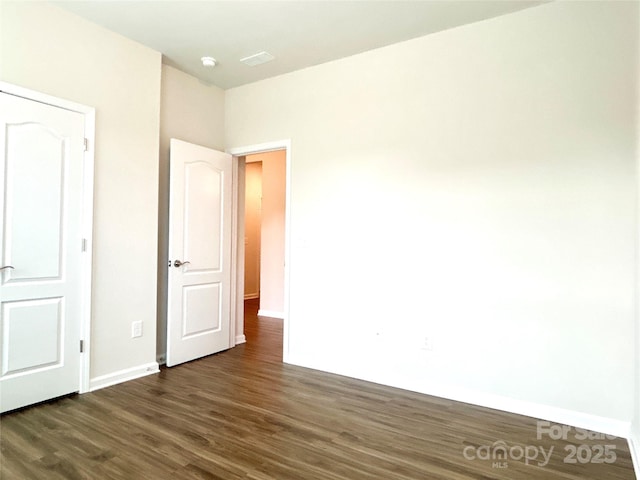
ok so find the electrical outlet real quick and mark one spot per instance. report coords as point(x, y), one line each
point(136, 329)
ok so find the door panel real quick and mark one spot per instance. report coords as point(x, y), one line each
point(203, 214)
point(40, 237)
point(200, 234)
point(21, 319)
point(40, 171)
point(200, 301)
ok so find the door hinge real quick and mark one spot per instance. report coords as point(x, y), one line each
point(84, 244)
point(81, 346)
point(86, 144)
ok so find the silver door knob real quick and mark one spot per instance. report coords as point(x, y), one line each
point(178, 263)
point(7, 266)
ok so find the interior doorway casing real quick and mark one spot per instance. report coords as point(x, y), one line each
point(237, 242)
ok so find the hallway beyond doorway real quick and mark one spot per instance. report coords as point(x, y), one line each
point(264, 334)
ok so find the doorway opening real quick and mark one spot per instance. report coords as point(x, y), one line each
point(261, 273)
point(264, 215)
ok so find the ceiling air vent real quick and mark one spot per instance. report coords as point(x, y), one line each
point(257, 59)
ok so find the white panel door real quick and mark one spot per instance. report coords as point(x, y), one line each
point(40, 233)
point(199, 252)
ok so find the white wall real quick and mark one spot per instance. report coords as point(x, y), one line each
point(476, 186)
point(47, 49)
point(194, 112)
point(273, 231)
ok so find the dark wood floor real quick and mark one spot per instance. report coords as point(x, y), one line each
point(242, 414)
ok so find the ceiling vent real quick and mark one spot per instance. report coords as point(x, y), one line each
point(257, 59)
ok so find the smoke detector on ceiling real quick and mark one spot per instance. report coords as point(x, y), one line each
point(257, 59)
point(208, 62)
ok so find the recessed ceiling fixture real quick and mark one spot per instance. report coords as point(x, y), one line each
point(257, 59)
point(208, 61)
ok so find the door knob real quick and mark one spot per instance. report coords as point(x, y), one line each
point(178, 263)
point(7, 266)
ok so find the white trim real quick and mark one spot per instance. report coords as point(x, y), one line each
point(44, 98)
point(270, 313)
point(87, 215)
point(241, 339)
point(235, 310)
point(263, 148)
point(609, 426)
point(87, 259)
point(260, 148)
point(634, 438)
point(634, 448)
point(124, 376)
point(251, 296)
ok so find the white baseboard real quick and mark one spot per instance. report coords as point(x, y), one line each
point(123, 376)
point(240, 339)
point(558, 415)
point(634, 448)
point(251, 296)
point(271, 313)
point(609, 426)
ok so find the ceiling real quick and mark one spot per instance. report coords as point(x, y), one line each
point(298, 33)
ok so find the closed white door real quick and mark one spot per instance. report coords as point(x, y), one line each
point(199, 299)
point(41, 171)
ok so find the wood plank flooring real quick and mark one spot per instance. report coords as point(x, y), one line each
point(242, 414)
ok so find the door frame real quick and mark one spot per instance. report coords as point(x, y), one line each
point(237, 239)
point(86, 227)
